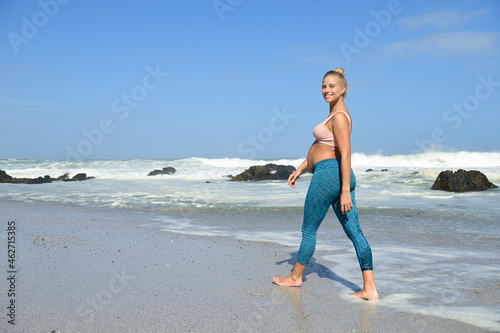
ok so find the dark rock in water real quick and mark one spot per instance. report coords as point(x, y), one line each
point(258, 172)
point(280, 171)
point(265, 172)
point(168, 171)
point(39, 180)
point(4, 177)
point(79, 177)
point(62, 177)
point(75, 178)
point(164, 171)
point(371, 170)
point(462, 181)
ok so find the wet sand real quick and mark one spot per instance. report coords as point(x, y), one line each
point(92, 269)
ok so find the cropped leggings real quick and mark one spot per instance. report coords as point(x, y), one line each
point(324, 190)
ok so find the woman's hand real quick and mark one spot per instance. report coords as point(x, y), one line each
point(293, 177)
point(345, 202)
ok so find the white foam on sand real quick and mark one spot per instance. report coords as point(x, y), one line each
point(190, 227)
point(428, 281)
point(187, 227)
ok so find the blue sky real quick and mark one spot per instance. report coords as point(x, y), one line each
point(236, 78)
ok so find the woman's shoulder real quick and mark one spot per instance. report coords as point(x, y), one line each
point(339, 113)
point(342, 115)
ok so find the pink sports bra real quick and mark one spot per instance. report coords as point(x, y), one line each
point(323, 136)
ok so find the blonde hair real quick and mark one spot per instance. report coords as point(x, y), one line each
point(340, 74)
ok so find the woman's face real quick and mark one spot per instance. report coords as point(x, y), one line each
point(331, 89)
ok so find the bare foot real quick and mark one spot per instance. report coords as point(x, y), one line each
point(367, 295)
point(287, 281)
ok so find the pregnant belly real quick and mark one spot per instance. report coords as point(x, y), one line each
point(319, 152)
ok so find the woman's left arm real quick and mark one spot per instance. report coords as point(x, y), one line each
point(340, 129)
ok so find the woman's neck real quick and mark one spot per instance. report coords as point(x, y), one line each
point(337, 105)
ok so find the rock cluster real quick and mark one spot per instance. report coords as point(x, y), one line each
point(164, 171)
point(5, 178)
point(265, 172)
point(462, 181)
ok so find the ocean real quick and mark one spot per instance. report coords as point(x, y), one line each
point(203, 183)
point(435, 253)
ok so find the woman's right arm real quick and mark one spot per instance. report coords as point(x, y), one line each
point(296, 174)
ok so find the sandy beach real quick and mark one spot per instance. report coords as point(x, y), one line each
point(94, 269)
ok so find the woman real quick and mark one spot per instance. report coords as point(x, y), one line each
point(333, 183)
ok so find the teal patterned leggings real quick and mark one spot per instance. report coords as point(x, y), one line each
point(324, 190)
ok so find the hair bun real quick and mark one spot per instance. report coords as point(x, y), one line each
point(339, 70)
